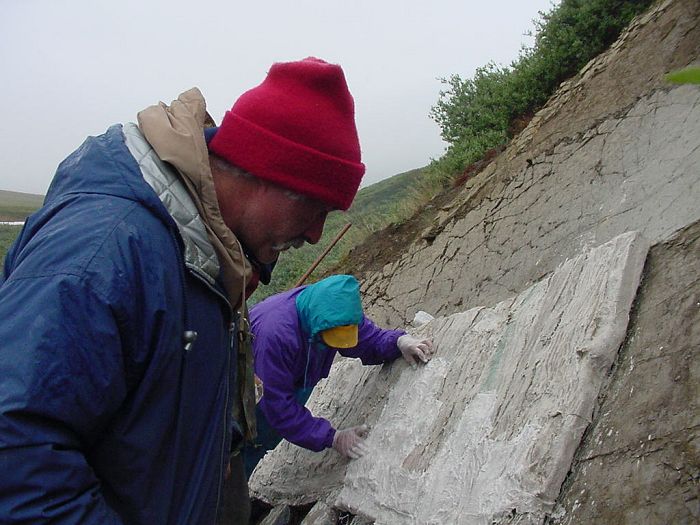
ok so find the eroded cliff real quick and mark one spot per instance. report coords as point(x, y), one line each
point(617, 149)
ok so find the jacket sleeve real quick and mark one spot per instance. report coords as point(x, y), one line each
point(61, 371)
point(375, 345)
point(275, 360)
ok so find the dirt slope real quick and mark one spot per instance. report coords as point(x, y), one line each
point(668, 38)
point(615, 149)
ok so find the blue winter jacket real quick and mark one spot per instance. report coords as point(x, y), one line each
point(110, 410)
point(290, 357)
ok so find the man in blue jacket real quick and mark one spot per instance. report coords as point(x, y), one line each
point(125, 363)
point(296, 337)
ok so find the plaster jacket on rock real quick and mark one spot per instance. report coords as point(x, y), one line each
point(117, 353)
point(288, 358)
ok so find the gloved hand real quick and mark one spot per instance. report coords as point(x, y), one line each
point(413, 349)
point(350, 442)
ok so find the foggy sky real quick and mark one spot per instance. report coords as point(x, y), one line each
point(71, 68)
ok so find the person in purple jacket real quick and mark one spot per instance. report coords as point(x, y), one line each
point(296, 336)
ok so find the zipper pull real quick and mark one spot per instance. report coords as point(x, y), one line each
point(244, 332)
point(232, 336)
point(189, 337)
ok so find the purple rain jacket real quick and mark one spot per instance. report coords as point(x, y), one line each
point(287, 362)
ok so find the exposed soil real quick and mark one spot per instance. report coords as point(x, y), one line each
point(639, 461)
point(636, 65)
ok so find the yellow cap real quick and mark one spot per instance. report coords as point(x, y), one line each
point(341, 336)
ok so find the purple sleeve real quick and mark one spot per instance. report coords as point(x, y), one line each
point(375, 346)
point(278, 362)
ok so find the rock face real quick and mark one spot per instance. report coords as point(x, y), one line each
point(637, 171)
point(487, 430)
point(639, 461)
point(615, 150)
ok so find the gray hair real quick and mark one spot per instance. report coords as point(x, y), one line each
point(225, 166)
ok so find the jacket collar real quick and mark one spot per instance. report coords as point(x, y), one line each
point(165, 181)
point(176, 134)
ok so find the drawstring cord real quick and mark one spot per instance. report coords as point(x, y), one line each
point(308, 360)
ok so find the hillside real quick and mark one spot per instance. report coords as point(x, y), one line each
point(16, 206)
point(565, 387)
point(573, 108)
point(386, 193)
point(375, 206)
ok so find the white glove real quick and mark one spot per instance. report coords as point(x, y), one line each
point(413, 349)
point(350, 442)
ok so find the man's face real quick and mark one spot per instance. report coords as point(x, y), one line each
point(275, 220)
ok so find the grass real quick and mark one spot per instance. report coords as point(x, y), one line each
point(7, 236)
point(15, 206)
point(476, 115)
point(482, 112)
point(375, 207)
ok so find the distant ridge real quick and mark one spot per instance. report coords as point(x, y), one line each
point(16, 206)
point(375, 197)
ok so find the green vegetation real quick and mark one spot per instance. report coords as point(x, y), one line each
point(375, 207)
point(8, 234)
point(483, 112)
point(15, 206)
point(475, 115)
point(688, 75)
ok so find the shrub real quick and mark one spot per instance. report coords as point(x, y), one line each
point(476, 114)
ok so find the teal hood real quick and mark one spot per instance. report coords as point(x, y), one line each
point(334, 301)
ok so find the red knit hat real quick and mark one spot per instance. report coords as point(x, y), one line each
point(297, 129)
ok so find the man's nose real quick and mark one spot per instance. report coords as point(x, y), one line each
point(313, 233)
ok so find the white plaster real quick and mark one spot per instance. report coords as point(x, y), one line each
point(537, 362)
point(489, 427)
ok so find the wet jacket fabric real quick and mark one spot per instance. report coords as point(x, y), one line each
point(176, 134)
point(117, 350)
point(290, 358)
